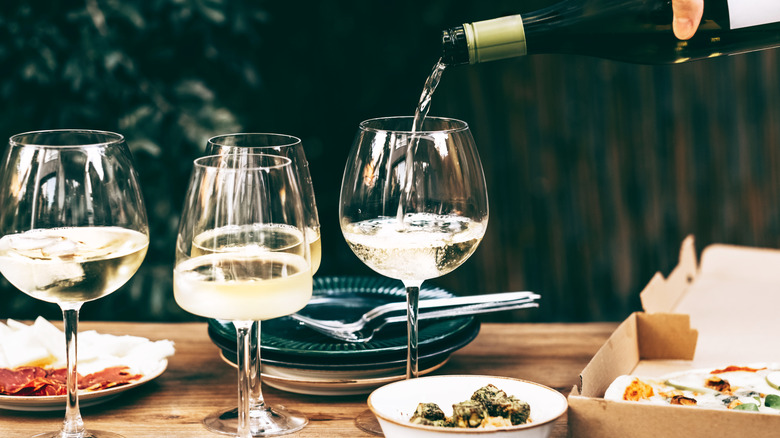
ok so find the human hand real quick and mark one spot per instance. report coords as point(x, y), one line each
point(687, 15)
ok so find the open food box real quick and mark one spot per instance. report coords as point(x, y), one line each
point(722, 311)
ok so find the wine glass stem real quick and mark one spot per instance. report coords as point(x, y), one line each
point(256, 401)
point(412, 301)
point(73, 426)
point(244, 378)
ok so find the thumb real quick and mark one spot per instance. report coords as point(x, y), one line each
point(687, 16)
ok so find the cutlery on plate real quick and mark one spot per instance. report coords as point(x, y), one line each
point(363, 329)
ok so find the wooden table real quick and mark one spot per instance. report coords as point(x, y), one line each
point(197, 381)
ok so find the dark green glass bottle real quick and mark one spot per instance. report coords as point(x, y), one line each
point(637, 31)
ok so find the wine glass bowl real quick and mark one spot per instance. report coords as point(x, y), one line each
point(419, 223)
point(73, 229)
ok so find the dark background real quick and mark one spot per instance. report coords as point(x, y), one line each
point(596, 170)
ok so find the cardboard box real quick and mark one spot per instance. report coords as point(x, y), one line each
point(720, 312)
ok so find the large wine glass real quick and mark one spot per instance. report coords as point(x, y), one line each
point(413, 206)
point(242, 254)
point(260, 414)
point(74, 229)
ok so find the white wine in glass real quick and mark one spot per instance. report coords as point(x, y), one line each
point(242, 255)
point(418, 247)
point(223, 284)
point(291, 147)
point(73, 229)
point(71, 264)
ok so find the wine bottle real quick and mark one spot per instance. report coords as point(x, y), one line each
point(637, 31)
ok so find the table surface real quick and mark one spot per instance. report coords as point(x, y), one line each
point(197, 381)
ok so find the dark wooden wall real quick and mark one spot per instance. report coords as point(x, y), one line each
point(597, 170)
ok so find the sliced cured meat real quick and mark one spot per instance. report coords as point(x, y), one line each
point(107, 378)
point(33, 381)
point(13, 381)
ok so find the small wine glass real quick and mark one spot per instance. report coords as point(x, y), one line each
point(413, 207)
point(242, 253)
point(74, 229)
point(226, 421)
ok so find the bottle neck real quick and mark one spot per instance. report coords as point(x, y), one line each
point(484, 41)
point(454, 46)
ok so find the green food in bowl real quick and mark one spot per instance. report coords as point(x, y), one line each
point(488, 406)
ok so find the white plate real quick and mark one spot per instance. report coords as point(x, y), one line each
point(86, 398)
point(304, 381)
point(344, 386)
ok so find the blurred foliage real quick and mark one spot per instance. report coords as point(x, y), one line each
point(162, 72)
point(596, 170)
point(168, 74)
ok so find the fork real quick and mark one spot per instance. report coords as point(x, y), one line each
point(363, 329)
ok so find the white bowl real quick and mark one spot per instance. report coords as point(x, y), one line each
point(394, 404)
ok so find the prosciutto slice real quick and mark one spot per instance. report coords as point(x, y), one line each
point(107, 378)
point(35, 381)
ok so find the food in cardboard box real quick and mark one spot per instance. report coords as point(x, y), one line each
point(683, 322)
point(745, 388)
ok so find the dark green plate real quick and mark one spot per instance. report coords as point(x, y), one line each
point(346, 298)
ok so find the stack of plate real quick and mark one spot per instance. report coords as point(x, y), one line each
point(300, 360)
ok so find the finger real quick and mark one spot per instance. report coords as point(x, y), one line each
point(687, 16)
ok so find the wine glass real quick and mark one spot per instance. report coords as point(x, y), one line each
point(242, 254)
point(74, 229)
point(291, 147)
point(285, 146)
point(413, 207)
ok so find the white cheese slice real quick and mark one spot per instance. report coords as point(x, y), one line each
point(43, 344)
point(146, 358)
point(21, 349)
point(49, 337)
point(16, 325)
point(4, 331)
point(99, 364)
point(89, 347)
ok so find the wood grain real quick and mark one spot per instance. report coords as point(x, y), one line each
point(198, 382)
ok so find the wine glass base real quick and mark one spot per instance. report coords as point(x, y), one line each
point(271, 421)
point(86, 434)
point(367, 422)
